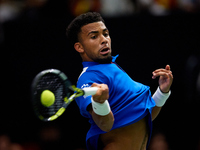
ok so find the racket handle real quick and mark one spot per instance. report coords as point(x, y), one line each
point(90, 90)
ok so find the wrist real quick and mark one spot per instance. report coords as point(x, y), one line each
point(160, 97)
point(101, 109)
point(166, 91)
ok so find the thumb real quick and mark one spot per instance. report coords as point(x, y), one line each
point(167, 67)
point(95, 85)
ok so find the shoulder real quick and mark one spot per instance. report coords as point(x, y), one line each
point(98, 74)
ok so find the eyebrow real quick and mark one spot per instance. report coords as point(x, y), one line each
point(97, 31)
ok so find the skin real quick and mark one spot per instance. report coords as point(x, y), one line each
point(93, 38)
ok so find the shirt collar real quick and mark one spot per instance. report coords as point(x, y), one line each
point(92, 63)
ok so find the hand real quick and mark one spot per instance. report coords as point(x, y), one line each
point(165, 80)
point(102, 93)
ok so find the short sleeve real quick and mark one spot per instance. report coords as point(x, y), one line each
point(86, 80)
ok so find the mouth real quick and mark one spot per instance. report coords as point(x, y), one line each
point(104, 50)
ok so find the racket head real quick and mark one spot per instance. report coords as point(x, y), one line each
point(55, 81)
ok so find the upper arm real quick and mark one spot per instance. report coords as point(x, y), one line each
point(86, 80)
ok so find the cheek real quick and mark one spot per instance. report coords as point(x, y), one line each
point(93, 45)
point(91, 48)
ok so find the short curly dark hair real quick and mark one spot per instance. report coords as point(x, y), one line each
point(74, 28)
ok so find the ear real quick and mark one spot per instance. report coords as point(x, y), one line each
point(78, 47)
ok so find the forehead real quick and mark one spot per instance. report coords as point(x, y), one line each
point(95, 26)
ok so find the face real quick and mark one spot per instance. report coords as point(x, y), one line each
point(94, 43)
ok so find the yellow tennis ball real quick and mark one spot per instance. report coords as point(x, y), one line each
point(47, 98)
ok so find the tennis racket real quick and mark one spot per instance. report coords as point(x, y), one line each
point(61, 88)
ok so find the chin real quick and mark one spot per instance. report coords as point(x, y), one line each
point(105, 60)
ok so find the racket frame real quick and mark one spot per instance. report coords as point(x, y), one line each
point(77, 92)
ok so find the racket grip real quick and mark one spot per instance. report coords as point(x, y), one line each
point(90, 90)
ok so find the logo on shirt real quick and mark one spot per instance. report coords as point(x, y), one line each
point(83, 86)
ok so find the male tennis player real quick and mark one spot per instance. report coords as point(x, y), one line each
point(122, 110)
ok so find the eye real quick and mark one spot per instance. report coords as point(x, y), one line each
point(93, 37)
point(106, 34)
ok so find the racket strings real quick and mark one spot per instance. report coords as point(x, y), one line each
point(53, 83)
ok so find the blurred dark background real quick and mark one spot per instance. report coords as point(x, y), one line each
point(147, 35)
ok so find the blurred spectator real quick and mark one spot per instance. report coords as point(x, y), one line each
point(16, 146)
point(78, 7)
point(163, 7)
point(9, 9)
point(108, 8)
point(31, 146)
point(157, 7)
point(190, 6)
point(35, 3)
point(116, 8)
point(166, 7)
point(192, 79)
point(50, 138)
point(198, 144)
point(4, 142)
point(158, 142)
point(143, 5)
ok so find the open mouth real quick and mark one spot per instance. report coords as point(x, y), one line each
point(105, 51)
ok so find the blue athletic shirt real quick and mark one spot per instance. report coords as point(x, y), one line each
point(129, 100)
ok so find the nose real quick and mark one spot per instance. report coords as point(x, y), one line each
point(104, 40)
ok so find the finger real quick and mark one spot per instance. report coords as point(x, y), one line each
point(102, 93)
point(165, 70)
point(95, 85)
point(167, 67)
point(161, 73)
point(102, 87)
point(171, 76)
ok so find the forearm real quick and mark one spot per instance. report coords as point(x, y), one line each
point(155, 111)
point(100, 108)
point(105, 123)
point(160, 99)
